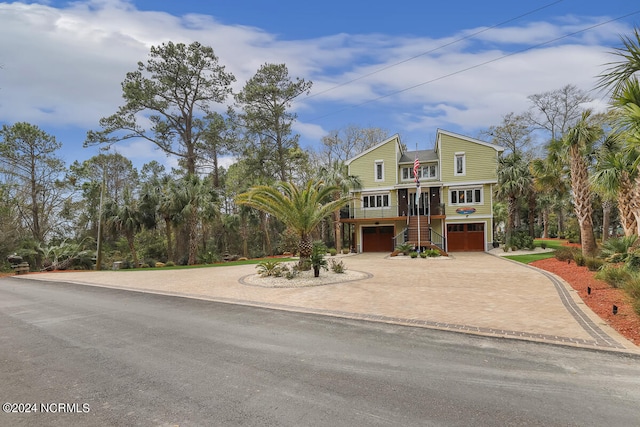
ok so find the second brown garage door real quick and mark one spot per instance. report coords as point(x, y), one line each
point(465, 237)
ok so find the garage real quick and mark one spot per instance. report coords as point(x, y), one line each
point(377, 239)
point(465, 237)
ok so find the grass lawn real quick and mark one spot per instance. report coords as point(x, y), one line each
point(526, 259)
point(550, 244)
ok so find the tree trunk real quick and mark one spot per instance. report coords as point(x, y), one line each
point(130, 240)
point(582, 201)
point(193, 235)
point(606, 219)
point(167, 225)
point(337, 230)
point(545, 223)
point(532, 213)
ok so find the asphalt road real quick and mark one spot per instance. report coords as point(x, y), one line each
point(98, 357)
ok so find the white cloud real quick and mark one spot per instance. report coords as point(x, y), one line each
point(63, 67)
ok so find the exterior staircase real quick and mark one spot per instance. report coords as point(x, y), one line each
point(427, 235)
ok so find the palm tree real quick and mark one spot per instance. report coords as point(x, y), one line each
point(299, 208)
point(125, 218)
point(514, 181)
point(337, 174)
point(621, 79)
point(621, 72)
point(613, 179)
point(195, 196)
point(579, 142)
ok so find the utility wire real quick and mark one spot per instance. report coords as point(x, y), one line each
point(479, 65)
point(467, 37)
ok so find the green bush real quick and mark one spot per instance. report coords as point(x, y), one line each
point(565, 253)
point(333, 252)
point(423, 254)
point(520, 239)
point(636, 306)
point(337, 266)
point(632, 287)
point(413, 254)
point(268, 268)
point(633, 261)
point(432, 253)
point(405, 248)
point(593, 264)
point(615, 276)
point(616, 249)
point(580, 259)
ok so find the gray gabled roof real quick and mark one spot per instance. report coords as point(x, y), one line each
point(423, 155)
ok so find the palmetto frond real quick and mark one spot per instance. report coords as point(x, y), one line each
point(299, 208)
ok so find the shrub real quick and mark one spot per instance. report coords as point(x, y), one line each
point(520, 239)
point(405, 248)
point(337, 266)
point(615, 276)
point(413, 254)
point(345, 250)
point(633, 261)
point(565, 253)
point(170, 264)
point(304, 265)
point(333, 252)
point(632, 287)
point(580, 259)
point(593, 264)
point(636, 306)
point(291, 273)
point(269, 268)
point(432, 253)
point(423, 254)
point(616, 249)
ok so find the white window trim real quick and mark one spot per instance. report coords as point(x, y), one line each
point(455, 163)
point(481, 202)
point(375, 170)
point(374, 195)
point(422, 178)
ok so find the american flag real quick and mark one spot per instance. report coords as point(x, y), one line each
point(416, 168)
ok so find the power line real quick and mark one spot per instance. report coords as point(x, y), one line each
point(467, 37)
point(478, 65)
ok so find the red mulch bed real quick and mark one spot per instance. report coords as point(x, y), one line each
point(602, 299)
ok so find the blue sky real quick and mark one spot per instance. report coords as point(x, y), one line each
point(409, 67)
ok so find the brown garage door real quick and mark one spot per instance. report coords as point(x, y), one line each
point(465, 237)
point(377, 239)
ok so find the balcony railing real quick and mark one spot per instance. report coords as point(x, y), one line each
point(390, 211)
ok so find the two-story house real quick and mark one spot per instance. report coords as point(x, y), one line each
point(453, 210)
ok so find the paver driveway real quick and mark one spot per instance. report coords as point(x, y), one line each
point(471, 292)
